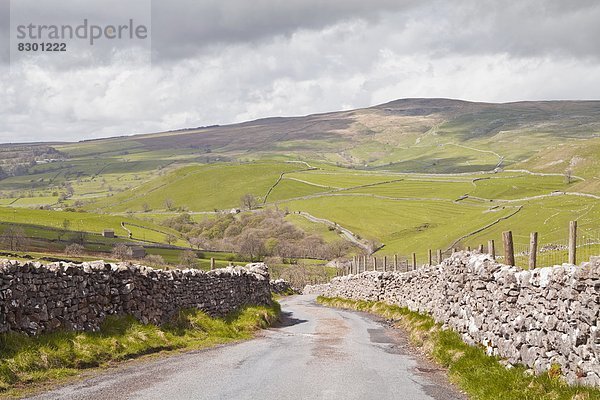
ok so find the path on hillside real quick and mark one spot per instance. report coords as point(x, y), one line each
point(345, 232)
point(317, 353)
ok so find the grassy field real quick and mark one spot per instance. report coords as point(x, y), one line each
point(84, 222)
point(404, 212)
point(412, 174)
point(199, 188)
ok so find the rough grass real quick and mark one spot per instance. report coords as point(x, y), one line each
point(26, 360)
point(482, 377)
point(200, 188)
point(84, 222)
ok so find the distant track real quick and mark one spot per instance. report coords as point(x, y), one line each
point(484, 228)
point(309, 168)
point(346, 233)
point(526, 171)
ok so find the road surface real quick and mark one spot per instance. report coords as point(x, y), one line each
point(316, 353)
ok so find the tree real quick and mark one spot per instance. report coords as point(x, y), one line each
point(121, 252)
point(188, 259)
point(154, 260)
point(170, 238)
point(251, 246)
point(74, 250)
point(248, 201)
point(13, 238)
point(66, 224)
point(568, 175)
point(338, 249)
point(169, 204)
point(198, 242)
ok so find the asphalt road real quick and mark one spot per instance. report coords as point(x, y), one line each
point(316, 353)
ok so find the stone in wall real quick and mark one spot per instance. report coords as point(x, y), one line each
point(537, 318)
point(36, 298)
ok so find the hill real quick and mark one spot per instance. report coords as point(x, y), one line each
point(411, 174)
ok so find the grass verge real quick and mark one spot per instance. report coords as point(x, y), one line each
point(482, 377)
point(26, 361)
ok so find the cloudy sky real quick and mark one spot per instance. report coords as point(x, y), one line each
point(222, 61)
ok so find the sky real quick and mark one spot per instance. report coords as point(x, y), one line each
point(208, 62)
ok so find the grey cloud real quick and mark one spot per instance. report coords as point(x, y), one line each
point(184, 27)
point(229, 61)
point(518, 28)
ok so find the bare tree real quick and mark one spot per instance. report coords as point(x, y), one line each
point(251, 246)
point(154, 260)
point(121, 252)
point(74, 250)
point(568, 175)
point(338, 249)
point(249, 201)
point(188, 259)
point(198, 242)
point(169, 204)
point(170, 238)
point(13, 238)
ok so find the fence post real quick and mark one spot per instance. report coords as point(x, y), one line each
point(481, 248)
point(509, 249)
point(533, 246)
point(212, 263)
point(468, 248)
point(395, 262)
point(439, 256)
point(414, 264)
point(430, 254)
point(492, 249)
point(384, 263)
point(573, 242)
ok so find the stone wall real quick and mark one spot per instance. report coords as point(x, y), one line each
point(37, 298)
point(536, 318)
point(281, 286)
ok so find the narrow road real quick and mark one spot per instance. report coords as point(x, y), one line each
point(316, 353)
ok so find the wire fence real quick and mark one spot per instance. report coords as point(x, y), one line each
point(579, 244)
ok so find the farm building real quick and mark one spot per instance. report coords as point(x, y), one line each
point(137, 251)
point(108, 233)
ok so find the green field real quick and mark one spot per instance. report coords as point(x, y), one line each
point(85, 222)
point(411, 175)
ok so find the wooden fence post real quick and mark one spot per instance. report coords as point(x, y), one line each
point(395, 262)
point(481, 248)
point(492, 249)
point(439, 256)
point(384, 263)
point(533, 246)
point(468, 248)
point(509, 249)
point(374, 263)
point(212, 263)
point(414, 257)
point(430, 254)
point(573, 242)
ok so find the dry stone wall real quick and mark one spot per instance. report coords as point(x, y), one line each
point(37, 298)
point(537, 318)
